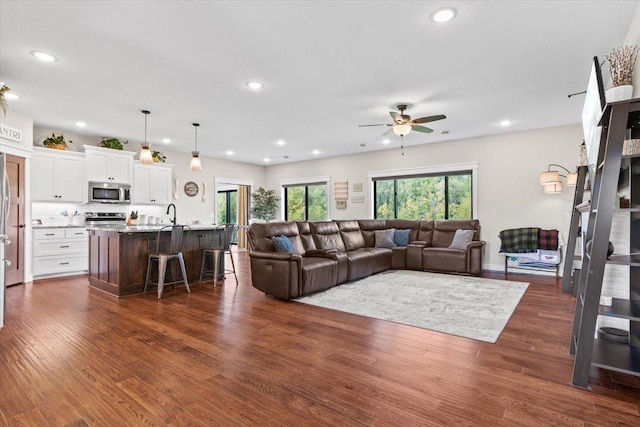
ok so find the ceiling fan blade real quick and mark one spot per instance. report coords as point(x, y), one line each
point(429, 119)
point(396, 117)
point(388, 132)
point(386, 124)
point(419, 128)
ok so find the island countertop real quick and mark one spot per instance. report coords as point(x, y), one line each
point(148, 228)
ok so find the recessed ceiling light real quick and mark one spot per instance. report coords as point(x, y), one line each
point(229, 153)
point(443, 15)
point(254, 85)
point(316, 152)
point(10, 95)
point(81, 124)
point(266, 160)
point(43, 56)
point(166, 140)
point(386, 141)
point(505, 123)
point(280, 142)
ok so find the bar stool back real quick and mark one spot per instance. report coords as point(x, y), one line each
point(168, 246)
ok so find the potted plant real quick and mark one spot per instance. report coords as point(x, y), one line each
point(158, 156)
point(113, 143)
point(622, 60)
point(3, 102)
point(57, 142)
point(265, 204)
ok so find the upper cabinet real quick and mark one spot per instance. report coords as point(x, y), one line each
point(151, 184)
point(57, 176)
point(108, 165)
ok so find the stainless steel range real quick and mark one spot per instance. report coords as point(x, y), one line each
point(97, 219)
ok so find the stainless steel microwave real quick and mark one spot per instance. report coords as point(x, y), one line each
point(109, 192)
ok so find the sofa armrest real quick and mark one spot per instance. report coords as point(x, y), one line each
point(320, 252)
point(475, 252)
point(277, 273)
point(421, 243)
point(475, 244)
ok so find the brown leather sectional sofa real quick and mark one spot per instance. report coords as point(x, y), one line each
point(329, 253)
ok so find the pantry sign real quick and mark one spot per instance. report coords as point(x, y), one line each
point(10, 134)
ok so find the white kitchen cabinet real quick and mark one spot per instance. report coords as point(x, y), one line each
point(109, 165)
point(57, 176)
point(151, 184)
point(60, 251)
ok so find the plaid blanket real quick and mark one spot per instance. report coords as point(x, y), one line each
point(548, 240)
point(519, 240)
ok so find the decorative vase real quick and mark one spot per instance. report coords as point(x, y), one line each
point(619, 93)
point(610, 248)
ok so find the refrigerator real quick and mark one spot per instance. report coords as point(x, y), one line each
point(5, 198)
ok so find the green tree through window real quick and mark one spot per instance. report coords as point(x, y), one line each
point(228, 207)
point(424, 197)
point(306, 202)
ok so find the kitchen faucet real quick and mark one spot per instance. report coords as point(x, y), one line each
point(173, 221)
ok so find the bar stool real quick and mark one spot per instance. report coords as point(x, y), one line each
point(166, 252)
point(228, 231)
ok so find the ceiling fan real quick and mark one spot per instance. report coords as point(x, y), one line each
point(402, 123)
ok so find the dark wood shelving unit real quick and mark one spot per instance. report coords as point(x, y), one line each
point(615, 175)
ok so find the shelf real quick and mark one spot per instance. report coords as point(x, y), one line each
point(630, 260)
point(622, 308)
point(616, 357)
point(626, 210)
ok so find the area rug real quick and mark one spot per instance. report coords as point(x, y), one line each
point(470, 307)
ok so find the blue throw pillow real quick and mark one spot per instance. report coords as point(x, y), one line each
point(282, 243)
point(401, 237)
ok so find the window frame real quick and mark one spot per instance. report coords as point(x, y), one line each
point(441, 170)
point(299, 182)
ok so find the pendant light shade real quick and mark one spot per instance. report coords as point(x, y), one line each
point(553, 188)
point(145, 152)
point(196, 166)
point(549, 177)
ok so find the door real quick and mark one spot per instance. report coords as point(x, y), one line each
point(15, 225)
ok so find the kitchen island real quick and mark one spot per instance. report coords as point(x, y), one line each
point(118, 256)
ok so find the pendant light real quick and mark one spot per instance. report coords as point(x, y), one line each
point(196, 166)
point(145, 152)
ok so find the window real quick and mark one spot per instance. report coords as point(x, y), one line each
point(228, 207)
point(305, 202)
point(429, 196)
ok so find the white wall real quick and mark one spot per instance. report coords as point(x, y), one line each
point(509, 195)
point(633, 37)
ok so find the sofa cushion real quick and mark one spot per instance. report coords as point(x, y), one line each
point(368, 226)
point(282, 244)
point(384, 238)
point(326, 235)
point(461, 239)
point(305, 236)
point(444, 259)
point(425, 231)
point(405, 224)
point(260, 235)
point(318, 274)
point(445, 229)
point(380, 259)
point(401, 237)
point(351, 235)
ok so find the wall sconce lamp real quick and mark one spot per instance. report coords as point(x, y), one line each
point(551, 179)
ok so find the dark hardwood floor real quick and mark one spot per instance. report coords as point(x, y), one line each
point(74, 356)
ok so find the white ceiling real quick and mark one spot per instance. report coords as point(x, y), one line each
point(327, 67)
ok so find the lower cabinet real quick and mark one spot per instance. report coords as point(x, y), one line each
point(60, 251)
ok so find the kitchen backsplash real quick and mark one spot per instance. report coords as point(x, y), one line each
point(55, 214)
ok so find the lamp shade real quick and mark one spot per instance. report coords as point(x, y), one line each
point(549, 177)
point(401, 130)
point(195, 166)
point(145, 154)
point(572, 179)
point(553, 188)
